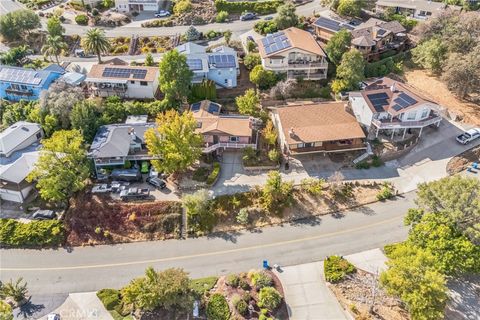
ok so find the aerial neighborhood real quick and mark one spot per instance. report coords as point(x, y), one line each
point(238, 159)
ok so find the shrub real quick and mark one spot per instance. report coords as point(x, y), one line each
point(110, 298)
point(274, 155)
point(385, 66)
point(94, 12)
point(264, 79)
point(212, 177)
point(325, 92)
point(269, 298)
point(202, 285)
point(376, 161)
point(385, 193)
point(182, 6)
point(222, 16)
point(35, 233)
point(244, 284)
point(251, 60)
point(264, 27)
point(362, 165)
point(81, 19)
point(336, 268)
point(260, 7)
point(312, 185)
point(201, 174)
point(204, 90)
point(232, 280)
point(242, 216)
point(261, 279)
point(217, 307)
point(241, 306)
point(192, 34)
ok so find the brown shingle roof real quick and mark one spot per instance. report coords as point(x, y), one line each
point(97, 72)
point(318, 122)
point(299, 39)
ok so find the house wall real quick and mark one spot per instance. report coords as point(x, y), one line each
point(419, 113)
point(135, 90)
point(224, 77)
point(36, 90)
point(137, 5)
point(324, 34)
point(281, 137)
point(15, 195)
point(361, 110)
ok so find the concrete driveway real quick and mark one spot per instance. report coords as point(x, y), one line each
point(307, 295)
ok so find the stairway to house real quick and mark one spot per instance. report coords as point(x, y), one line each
point(133, 45)
point(183, 230)
point(365, 155)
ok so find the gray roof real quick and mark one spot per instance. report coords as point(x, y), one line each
point(17, 171)
point(114, 140)
point(16, 134)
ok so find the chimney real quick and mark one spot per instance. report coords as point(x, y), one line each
point(131, 132)
point(393, 88)
point(291, 133)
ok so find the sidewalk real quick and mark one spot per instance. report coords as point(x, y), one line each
point(82, 306)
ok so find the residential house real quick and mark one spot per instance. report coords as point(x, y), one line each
point(392, 107)
point(220, 65)
point(417, 9)
point(294, 52)
point(221, 131)
point(372, 37)
point(137, 5)
point(26, 84)
point(123, 81)
point(317, 128)
point(114, 144)
point(19, 145)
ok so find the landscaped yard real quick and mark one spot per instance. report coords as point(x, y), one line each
point(95, 219)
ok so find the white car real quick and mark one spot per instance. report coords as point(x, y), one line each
point(53, 316)
point(101, 188)
point(469, 135)
point(162, 13)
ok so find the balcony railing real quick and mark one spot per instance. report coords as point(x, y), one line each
point(141, 1)
point(329, 148)
point(228, 145)
point(19, 92)
point(398, 124)
point(306, 65)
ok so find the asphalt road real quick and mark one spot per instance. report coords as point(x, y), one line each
point(54, 272)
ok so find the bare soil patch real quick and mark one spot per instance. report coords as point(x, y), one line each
point(96, 219)
point(434, 89)
point(355, 293)
point(460, 162)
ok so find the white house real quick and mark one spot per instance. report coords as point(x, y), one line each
point(123, 81)
point(393, 107)
point(137, 5)
point(295, 52)
point(417, 9)
point(19, 146)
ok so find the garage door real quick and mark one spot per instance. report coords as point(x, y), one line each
point(11, 196)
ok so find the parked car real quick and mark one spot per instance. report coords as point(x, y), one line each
point(118, 186)
point(101, 188)
point(135, 194)
point(44, 215)
point(162, 13)
point(156, 182)
point(469, 135)
point(248, 16)
point(126, 175)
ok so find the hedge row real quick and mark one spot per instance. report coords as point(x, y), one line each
point(261, 7)
point(35, 233)
point(385, 66)
point(212, 177)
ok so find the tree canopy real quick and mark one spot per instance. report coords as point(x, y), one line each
point(95, 41)
point(249, 103)
point(62, 168)
point(350, 72)
point(338, 45)
point(174, 141)
point(264, 79)
point(14, 25)
point(350, 8)
point(175, 78)
point(85, 117)
point(54, 26)
point(286, 17)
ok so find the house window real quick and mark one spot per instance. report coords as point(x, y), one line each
point(143, 83)
point(300, 145)
point(425, 113)
point(308, 145)
point(39, 135)
point(132, 81)
point(226, 81)
point(411, 115)
point(234, 139)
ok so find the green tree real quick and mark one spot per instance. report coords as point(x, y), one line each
point(338, 45)
point(249, 103)
point(430, 54)
point(286, 17)
point(251, 60)
point(350, 8)
point(174, 141)
point(217, 307)
point(349, 72)
point(14, 56)
point(228, 36)
point(221, 17)
point(175, 78)
point(85, 117)
point(460, 73)
point(168, 289)
point(199, 210)
point(264, 79)
point(269, 298)
point(6, 312)
point(192, 34)
point(412, 276)
point(49, 124)
point(95, 41)
point(62, 168)
point(54, 46)
point(270, 134)
point(17, 290)
point(54, 26)
point(276, 194)
point(14, 25)
point(149, 60)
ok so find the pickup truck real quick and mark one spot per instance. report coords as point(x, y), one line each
point(134, 194)
point(469, 136)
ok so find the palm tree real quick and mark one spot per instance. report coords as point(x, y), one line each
point(95, 41)
point(16, 290)
point(54, 46)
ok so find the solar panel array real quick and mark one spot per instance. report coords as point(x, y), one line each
point(195, 106)
point(20, 76)
point(403, 101)
point(195, 64)
point(332, 24)
point(222, 60)
point(124, 73)
point(378, 100)
point(276, 42)
point(214, 108)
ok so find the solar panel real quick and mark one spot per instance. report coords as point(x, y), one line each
point(214, 108)
point(403, 101)
point(378, 100)
point(222, 60)
point(195, 64)
point(195, 106)
point(20, 76)
point(407, 98)
point(124, 73)
point(276, 42)
point(397, 107)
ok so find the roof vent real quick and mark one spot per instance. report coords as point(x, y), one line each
point(393, 87)
point(291, 133)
